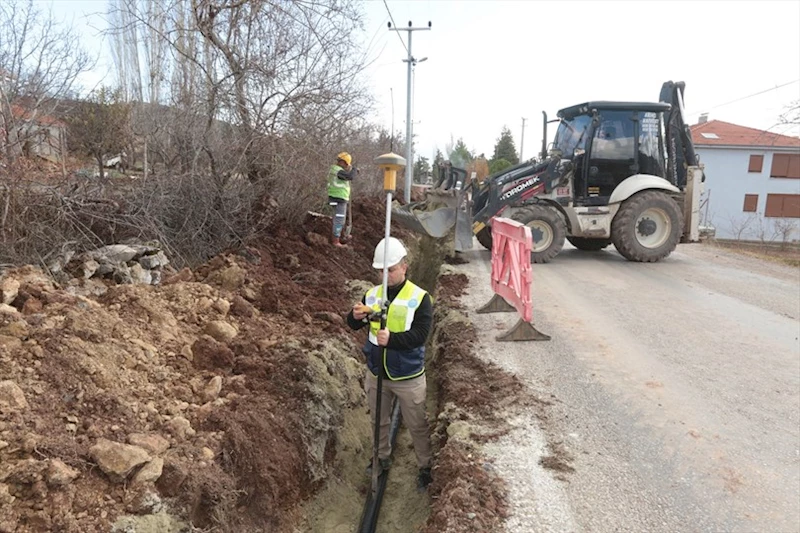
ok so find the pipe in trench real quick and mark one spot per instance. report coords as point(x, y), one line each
point(372, 506)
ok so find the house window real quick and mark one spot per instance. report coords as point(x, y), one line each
point(750, 203)
point(785, 166)
point(756, 163)
point(782, 206)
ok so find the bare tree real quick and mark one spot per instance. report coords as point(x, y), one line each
point(740, 225)
point(40, 62)
point(100, 125)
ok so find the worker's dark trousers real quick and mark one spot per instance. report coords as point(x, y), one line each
point(411, 395)
point(340, 212)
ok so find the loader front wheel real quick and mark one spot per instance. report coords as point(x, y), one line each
point(484, 237)
point(647, 227)
point(548, 230)
point(588, 245)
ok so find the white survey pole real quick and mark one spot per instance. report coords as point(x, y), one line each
point(522, 140)
point(409, 126)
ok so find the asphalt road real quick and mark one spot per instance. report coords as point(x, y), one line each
point(675, 390)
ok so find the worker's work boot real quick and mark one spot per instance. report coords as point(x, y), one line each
point(336, 242)
point(424, 479)
point(384, 464)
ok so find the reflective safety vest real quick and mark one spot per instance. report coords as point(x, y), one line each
point(397, 364)
point(337, 187)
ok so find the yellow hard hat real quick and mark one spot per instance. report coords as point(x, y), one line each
point(344, 156)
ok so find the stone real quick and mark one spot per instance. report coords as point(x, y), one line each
point(149, 472)
point(9, 288)
point(186, 352)
point(333, 318)
point(115, 253)
point(18, 329)
point(184, 275)
point(222, 306)
point(208, 354)
point(9, 344)
point(241, 307)
point(207, 453)
point(249, 294)
point(212, 389)
point(12, 397)
point(117, 460)
point(60, 474)
point(230, 278)
point(152, 442)
point(154, 261)
point(6, 309)
point(220, 331)
point(32, 306)
point(180, 428)
point(88, 268)
point(140, 275)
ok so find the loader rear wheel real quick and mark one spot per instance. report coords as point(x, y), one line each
point(485, 237)
point(647, 227)
point(589, 245)
point(548, 230)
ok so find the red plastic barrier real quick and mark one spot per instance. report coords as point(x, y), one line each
point(511, 264)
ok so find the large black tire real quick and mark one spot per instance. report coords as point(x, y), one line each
point(485, 237)
point(589, 245)
point(547, 228)
point(647, 227)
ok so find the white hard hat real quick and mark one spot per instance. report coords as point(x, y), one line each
point(395, 254)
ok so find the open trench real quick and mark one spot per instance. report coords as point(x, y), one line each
point(339, 506)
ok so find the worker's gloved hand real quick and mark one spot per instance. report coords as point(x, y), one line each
point(383, 337)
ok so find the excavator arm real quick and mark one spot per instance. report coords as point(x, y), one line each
point(680, 148)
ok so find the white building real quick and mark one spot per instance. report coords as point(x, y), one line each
point(752, 181)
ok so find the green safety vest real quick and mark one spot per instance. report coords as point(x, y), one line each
point(397, 364)
point(337, 187)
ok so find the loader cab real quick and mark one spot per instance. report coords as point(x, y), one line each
point(609, 142)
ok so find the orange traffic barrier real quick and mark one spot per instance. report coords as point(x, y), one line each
point(512, 278)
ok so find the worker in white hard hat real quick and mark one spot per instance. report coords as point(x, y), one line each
point(398, 352)
point(339, 177)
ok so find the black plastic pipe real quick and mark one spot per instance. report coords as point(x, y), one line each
point(372, 507)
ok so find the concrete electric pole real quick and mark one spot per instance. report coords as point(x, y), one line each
point(409, 138)
point(522, 139)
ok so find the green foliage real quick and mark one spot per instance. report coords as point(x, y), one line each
point(505, 149)
point(422, 169)
point(460, 155)
point(496, 165)
point(100, 125)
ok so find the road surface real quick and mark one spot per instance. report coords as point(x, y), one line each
point(675, 390)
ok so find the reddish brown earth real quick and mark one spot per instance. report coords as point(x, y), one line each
point(220, 366)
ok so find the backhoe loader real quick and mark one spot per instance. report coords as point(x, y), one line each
point(617, 172)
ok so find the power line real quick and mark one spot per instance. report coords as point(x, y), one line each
point(395, 25)
point(745, 97)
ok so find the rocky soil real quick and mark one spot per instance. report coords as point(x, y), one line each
point(219, 400)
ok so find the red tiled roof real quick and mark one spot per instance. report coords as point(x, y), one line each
point(728, 134)
point(43, 120)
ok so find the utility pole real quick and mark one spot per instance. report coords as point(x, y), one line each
point(409, 139)
point(522, 139)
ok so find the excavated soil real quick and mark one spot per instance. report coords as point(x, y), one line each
point(230, 397)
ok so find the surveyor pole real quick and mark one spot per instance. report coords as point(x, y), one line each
point(390, 163)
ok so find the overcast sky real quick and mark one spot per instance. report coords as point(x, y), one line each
point(491, 63)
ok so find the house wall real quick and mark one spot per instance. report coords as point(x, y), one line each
point(727, 183)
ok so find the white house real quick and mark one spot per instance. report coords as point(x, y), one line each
point(752, 181)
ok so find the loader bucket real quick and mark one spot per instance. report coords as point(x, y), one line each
point(435, 215)
point(425, 218)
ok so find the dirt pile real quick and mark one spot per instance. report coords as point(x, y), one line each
point(225, 397)
point(213, 399)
